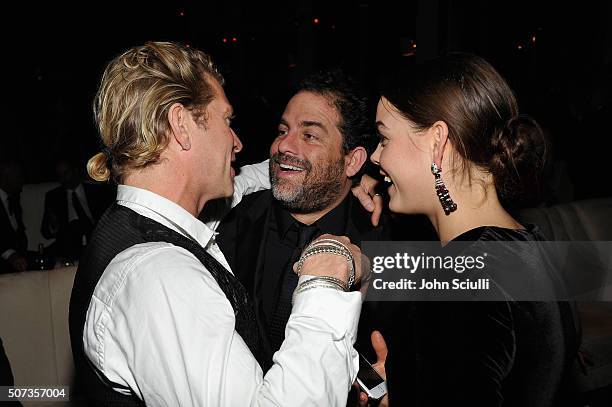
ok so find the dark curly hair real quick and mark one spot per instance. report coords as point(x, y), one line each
point(355, 125)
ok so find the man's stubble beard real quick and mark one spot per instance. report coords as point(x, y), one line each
point(322, 185)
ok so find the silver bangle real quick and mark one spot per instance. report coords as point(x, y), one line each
point(325, 279)
point(317, 284)
point(321, 284)
point(328, 244)
point(326, 248)
point(332, 241)
point(348, 254)
point(334, 280)
point(310, 251)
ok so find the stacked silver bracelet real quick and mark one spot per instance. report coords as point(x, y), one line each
point(326, 246)
point(339, 284)
point(320, 282)
point(345, 251)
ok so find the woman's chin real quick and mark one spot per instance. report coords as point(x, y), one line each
point(396, 206)
point(400, 206)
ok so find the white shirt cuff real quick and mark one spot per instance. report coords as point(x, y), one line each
point(339, 310)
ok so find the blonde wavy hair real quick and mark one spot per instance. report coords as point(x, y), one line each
point(131, 106)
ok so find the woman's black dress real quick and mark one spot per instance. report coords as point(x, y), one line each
point(481, 353)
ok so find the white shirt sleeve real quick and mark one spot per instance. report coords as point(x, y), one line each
point(163, 327)
point(316, 364)
point(252, 178)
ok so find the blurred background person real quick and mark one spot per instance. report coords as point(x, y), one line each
point(72, 210)
point(13, 240)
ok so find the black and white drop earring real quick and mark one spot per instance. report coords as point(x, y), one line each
point(447, 203)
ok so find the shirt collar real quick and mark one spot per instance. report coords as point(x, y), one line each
point(333, 222)
point(79, 189)
point(164, 211)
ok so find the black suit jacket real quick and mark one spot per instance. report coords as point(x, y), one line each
point(10, 239)
point(242, 238)
point(99, 198)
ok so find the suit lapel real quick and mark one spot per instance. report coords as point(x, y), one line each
point(263, 287)
point(257, 225)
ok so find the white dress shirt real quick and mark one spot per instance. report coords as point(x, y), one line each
point(159, 323)
point(80, 193)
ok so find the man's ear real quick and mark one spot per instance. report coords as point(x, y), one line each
point(178, 116)
point(354, 160)
point(439, 131)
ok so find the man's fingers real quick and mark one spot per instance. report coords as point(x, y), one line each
point(380, 346)
point(363, 399)
point(364, 198)
point(368, 184)
point(378, 207)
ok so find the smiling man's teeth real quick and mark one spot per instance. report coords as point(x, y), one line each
point(387, 179)
point(290, 167)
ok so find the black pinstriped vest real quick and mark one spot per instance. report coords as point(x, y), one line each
point(119, 229)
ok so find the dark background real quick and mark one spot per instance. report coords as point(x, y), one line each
point(557, 57)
